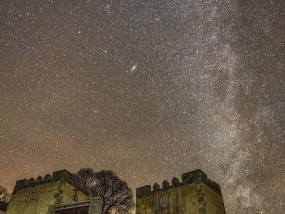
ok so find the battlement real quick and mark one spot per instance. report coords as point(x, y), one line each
point(196, 177)
point(61, 175)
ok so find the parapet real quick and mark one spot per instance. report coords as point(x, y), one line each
point(61, 175)
point(196, 177)
point(144, 191)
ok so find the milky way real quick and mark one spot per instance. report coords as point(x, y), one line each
point(149, 89)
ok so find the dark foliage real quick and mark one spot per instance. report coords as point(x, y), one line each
point(86, 176)
point(116, 195)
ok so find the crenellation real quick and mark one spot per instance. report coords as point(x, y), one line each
point(175, 182)
point(143, 191)
point(53, 194)
point(47, 178)
point(31, 182)
point(194, 194)
point(156, 187)
point(20, 184)
point(62, 175)
point(165, 185)
point(39, 179)
point(196, 176)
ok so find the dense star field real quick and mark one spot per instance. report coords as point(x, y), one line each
point(149, 89)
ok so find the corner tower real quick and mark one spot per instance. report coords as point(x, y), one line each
point(196, 194)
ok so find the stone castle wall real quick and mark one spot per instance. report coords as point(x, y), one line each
point(196, 194)
point(42, 194)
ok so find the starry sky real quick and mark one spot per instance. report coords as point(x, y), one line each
point(149, 89)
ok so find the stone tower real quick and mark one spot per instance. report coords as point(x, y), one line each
point(196, 194)
point(46, 195)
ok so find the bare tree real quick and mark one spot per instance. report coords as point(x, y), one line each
point(116, 195)
point(4, 194)
point(86, 176)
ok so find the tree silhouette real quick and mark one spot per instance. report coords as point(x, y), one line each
point(86, 176)
point(116, 195)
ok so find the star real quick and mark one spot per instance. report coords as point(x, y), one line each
point(133, 68)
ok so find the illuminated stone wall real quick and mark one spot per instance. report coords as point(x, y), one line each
point(196, 194)
point(40, 196)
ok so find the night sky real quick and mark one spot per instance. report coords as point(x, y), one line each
point(147, 88)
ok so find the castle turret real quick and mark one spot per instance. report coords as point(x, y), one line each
point(44, 194)
point(195, 194)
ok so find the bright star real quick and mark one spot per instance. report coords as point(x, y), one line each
point(133, 68)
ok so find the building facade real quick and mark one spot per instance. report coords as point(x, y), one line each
point(60, 193)
point(196, 194)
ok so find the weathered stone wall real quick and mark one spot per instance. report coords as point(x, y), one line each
point(22, 203)
point(40, 195)
point(196, 194)
point(214, 202)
